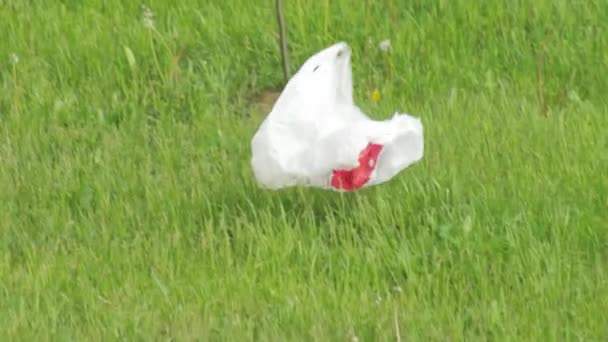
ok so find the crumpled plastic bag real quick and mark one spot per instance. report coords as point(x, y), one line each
point(316, 136)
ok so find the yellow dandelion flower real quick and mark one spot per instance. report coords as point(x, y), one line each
point(376, 95)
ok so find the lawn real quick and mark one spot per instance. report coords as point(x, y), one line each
point(128, 210)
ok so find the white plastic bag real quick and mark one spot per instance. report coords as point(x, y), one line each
point(316, 136)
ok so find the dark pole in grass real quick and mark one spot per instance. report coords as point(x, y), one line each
point(283, 39)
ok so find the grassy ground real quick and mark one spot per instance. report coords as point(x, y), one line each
point(128, 208)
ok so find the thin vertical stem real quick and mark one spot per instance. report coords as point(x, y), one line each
point(325, 24)
point(283, 40)
point(396, 319)
point(160, 70)
point(540, 79)
point(394, 14)
point(540, 61)
point(15, 89)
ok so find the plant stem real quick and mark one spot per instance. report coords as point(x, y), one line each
point(283, 40)
point(16, 89)
point(160, 72)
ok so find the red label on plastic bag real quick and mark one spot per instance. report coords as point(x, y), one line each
point(355, 178)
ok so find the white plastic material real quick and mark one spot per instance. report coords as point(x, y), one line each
point(316, 136)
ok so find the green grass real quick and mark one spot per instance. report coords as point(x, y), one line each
point(128, 208)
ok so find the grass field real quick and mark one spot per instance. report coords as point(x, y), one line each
point(128, 208)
